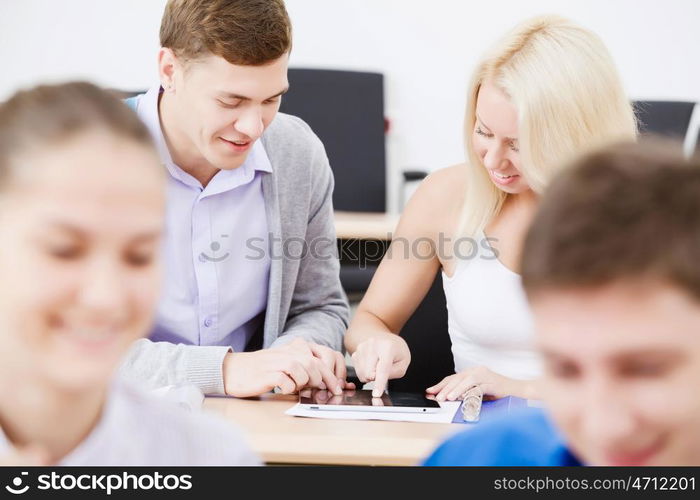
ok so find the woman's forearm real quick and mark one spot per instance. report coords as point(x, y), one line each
point(364, 326)
point(526, 389)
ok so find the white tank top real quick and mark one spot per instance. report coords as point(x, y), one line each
point(489, 320)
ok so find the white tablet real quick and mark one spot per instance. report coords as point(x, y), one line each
point(362, 400)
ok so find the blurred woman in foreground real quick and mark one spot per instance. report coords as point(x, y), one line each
point(81, 216)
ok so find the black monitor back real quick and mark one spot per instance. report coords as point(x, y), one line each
point(346, 110)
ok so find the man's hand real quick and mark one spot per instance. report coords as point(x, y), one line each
point(291, 367)
point(335, 361)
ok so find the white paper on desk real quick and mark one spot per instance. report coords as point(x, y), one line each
point(443, 416)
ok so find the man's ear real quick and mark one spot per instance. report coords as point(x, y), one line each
point(167, 67)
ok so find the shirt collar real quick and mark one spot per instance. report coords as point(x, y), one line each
point(4, 443)
point(257, 159)
point(81, 454)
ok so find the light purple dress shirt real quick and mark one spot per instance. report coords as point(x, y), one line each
point(216, 256)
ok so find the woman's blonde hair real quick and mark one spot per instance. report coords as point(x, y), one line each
point(569, 99)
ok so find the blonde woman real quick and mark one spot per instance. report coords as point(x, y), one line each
point(546, 92)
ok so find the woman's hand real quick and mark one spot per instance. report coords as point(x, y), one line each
point(379, 359)
point(492, 384)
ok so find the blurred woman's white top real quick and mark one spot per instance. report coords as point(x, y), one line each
point(136, 429)
point(489, 319)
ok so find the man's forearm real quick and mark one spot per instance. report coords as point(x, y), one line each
point(157, 364)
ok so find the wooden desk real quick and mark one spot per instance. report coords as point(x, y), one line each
point(280, 438)
point(364, 225)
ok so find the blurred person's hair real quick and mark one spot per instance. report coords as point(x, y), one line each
point(42, 116)
point(629, 212)
point(243, 32)
point(569, 99)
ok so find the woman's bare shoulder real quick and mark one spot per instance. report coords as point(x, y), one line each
point(437, 201)
point(444, 187)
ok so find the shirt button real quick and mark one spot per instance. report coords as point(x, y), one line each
point(202, 258)
point(208, 322)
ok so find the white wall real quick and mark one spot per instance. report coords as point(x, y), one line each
point(425, 49)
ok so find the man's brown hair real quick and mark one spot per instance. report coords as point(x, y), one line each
point(628, 212)
point(47, 114)
point(244, 32)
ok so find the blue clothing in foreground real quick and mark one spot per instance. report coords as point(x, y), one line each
point(516, 439)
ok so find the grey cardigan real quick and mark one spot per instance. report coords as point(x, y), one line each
point(305, 298)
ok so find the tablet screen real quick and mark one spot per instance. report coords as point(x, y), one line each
point(363, 399)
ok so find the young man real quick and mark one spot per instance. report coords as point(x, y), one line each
point(610, 267)
point(250, 252)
